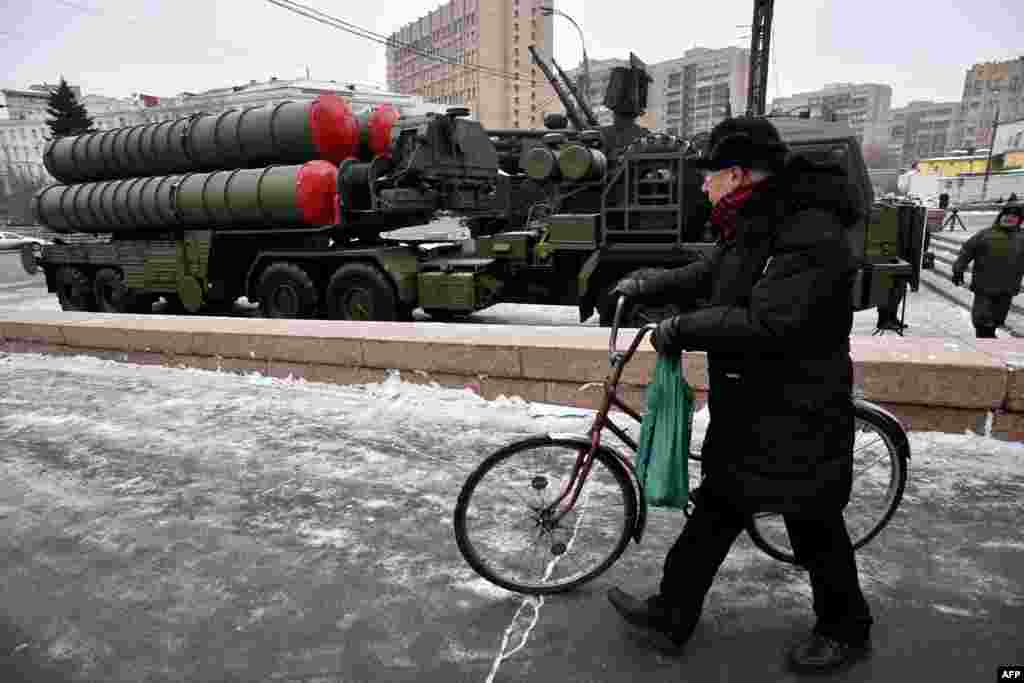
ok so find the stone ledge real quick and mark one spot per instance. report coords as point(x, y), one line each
point(931, 383)
point(1009, 352)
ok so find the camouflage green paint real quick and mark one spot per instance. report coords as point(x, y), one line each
point(448, 290)
point(505, 246)
point(402, 265)
point(573, 231)
point(882, 234)
point(193, 261)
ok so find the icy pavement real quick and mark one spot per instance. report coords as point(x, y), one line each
point(184, 525)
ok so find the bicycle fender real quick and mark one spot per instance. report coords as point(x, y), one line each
point(887, 417)
point(641, 512)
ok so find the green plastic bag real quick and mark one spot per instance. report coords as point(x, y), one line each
point(662, 461)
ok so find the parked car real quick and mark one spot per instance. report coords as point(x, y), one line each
point(12, 240)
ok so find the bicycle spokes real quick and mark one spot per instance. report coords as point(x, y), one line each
point(535, 520)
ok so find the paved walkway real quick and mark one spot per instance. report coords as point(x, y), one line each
point(169, 525)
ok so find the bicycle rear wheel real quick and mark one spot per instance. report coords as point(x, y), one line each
point(504, 529)
point(880, 455)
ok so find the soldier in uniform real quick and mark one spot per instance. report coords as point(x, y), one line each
point(998, 256)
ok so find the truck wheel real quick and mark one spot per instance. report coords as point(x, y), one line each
point(358, 291)
point(286, 291)
point(112, 295)
point(74, 290)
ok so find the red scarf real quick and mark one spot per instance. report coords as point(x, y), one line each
point(726, 211)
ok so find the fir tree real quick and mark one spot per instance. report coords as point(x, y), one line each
point(69, 116)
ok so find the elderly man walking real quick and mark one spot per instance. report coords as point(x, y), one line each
point(776, 332)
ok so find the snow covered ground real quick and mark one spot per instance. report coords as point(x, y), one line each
point(184, 525)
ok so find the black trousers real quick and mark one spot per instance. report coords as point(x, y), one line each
point(822, 546)
point(988, 312)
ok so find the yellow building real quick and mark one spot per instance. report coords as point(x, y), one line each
point(952, 166)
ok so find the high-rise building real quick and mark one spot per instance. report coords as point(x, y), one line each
point(474, 53)
point(922, 129)
point(692, 93)
point(987, 87)
point(865, 107)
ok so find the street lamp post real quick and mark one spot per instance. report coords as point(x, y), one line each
point(991, 145)
point(548, 11)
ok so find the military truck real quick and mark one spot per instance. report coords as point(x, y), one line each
point(291, 205)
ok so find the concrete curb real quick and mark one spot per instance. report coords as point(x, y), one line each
point(933, 384)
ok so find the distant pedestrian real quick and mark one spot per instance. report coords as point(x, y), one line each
point(998, 256)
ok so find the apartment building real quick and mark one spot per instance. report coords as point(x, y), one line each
point(23, 134)
point(474, 53)
point(989, 87)
point(921, 130)
point(693, 93)
point(866, 107)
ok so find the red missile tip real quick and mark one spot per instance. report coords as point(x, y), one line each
point(335, 129)
point(381, 121)
point(316, 192)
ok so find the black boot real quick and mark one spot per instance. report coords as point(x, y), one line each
point(821, 654)
point(667, 627)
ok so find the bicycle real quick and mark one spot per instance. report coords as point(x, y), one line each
point(552, 526)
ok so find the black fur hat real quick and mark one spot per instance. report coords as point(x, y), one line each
point(744, 141)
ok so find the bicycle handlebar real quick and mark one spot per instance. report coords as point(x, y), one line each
point(613, 353)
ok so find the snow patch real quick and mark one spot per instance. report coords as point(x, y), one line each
point(485, 589)
point(956, 611)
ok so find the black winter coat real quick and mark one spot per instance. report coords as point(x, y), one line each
point(998, 255)
point(776, 332)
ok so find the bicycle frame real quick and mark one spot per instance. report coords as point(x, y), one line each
point(584, 461)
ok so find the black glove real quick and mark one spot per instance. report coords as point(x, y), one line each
point(958, 279)
point(629, 287)
point(665, 338)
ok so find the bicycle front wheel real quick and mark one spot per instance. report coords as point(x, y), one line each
point(880, 454)
point(503, 519)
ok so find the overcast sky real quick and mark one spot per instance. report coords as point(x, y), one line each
point(162, 47)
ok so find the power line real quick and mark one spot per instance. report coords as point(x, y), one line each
point(334, 22)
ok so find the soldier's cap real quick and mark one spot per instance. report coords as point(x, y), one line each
point(745, 141)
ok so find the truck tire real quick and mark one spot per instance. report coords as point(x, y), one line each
point(359, 291)
point(112, 295)
point(74, 290)
point(286, 291)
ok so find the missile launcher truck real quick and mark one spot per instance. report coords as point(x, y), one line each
point(292, 205)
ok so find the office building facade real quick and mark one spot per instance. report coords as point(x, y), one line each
point(921, 130)
point(475, 53)
point(693, 93)
point(989, 88)
point(866, 107)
